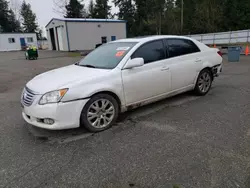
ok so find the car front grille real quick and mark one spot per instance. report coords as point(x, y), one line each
point(28, 97)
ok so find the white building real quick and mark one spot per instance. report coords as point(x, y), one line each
point(16, 41)
point(71, 34)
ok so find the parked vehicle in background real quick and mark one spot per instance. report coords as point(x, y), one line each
point(116, 77)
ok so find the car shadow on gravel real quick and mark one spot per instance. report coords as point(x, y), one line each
point(65, 136)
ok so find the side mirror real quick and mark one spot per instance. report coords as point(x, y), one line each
point(132, 63)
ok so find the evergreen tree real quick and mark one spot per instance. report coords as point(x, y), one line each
point(102, 9)
point(171, 18)
point(74, 9)
point(127, 12)
point(158, 7)
point(14, 23)
point(206, 16)
point(147, 17)
point(8, 21)
point(91, 9)
point(29, 18)
point(4, 16)
point(236, 14)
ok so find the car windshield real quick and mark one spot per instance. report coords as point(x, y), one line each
point(107, 56)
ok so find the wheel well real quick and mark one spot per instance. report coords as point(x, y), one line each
point(111, 94)
point(210, 70)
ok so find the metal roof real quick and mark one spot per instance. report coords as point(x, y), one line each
point(16, 33)
point(149, 38)
point(86, 20)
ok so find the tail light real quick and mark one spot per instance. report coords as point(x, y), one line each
point(219, 52)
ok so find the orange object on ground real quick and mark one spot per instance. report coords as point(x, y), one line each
point(214, 45)
point(247, 50)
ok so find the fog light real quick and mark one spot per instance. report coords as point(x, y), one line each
point(48, 121)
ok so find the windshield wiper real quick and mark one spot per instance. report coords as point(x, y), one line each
point(89, 66)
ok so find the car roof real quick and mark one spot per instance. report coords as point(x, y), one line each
point(150, 38)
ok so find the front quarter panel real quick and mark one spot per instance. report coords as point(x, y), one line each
point(85, 89)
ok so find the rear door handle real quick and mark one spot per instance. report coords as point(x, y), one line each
point(198, 60)
point(164, 68)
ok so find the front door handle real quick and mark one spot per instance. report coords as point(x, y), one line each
point(164, 68)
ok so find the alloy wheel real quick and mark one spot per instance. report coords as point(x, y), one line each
point(204, 82)
point(101, 113)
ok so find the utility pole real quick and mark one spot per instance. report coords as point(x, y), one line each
point(160, 25)
point(182, 16)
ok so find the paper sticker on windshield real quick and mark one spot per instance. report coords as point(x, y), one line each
point(119, 53)
point(122, 48)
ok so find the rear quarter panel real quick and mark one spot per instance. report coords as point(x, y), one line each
point(209, 56)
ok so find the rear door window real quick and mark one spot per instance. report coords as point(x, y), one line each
point(179, 47)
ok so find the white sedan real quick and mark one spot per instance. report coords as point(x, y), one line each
point(116, 77)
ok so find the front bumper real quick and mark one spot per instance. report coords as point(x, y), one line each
point(65, 115)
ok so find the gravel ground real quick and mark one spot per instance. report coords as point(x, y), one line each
point(186, 140)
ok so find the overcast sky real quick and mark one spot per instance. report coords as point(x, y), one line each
point(44, 10)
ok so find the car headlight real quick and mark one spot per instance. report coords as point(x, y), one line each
point(53, 96)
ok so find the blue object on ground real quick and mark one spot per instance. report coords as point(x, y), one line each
point(234, 53)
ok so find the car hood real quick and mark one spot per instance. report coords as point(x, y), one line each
point(56, 79)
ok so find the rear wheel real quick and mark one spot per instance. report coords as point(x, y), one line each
point(100, 113)
point(204, 82)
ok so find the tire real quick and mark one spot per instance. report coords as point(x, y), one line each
point(204, 82)
point(100, 113)
point(26, 55)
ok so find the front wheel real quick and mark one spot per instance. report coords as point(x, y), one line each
point(204, 82)
point(100, 113)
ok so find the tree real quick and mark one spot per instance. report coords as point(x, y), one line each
point(4, 16)
point(102, 9)
point(28, 18)
point(8, 21)
point(206, 16)
point(149, 17)
point(236, 15)
point(91, 9)
point(74, 9)
point(15, 25)
point(127, 12)
point(158, 7)
point(145, 17)
point(39, 34)
point(15, 6)
point(59, 7)
point(171, 18)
